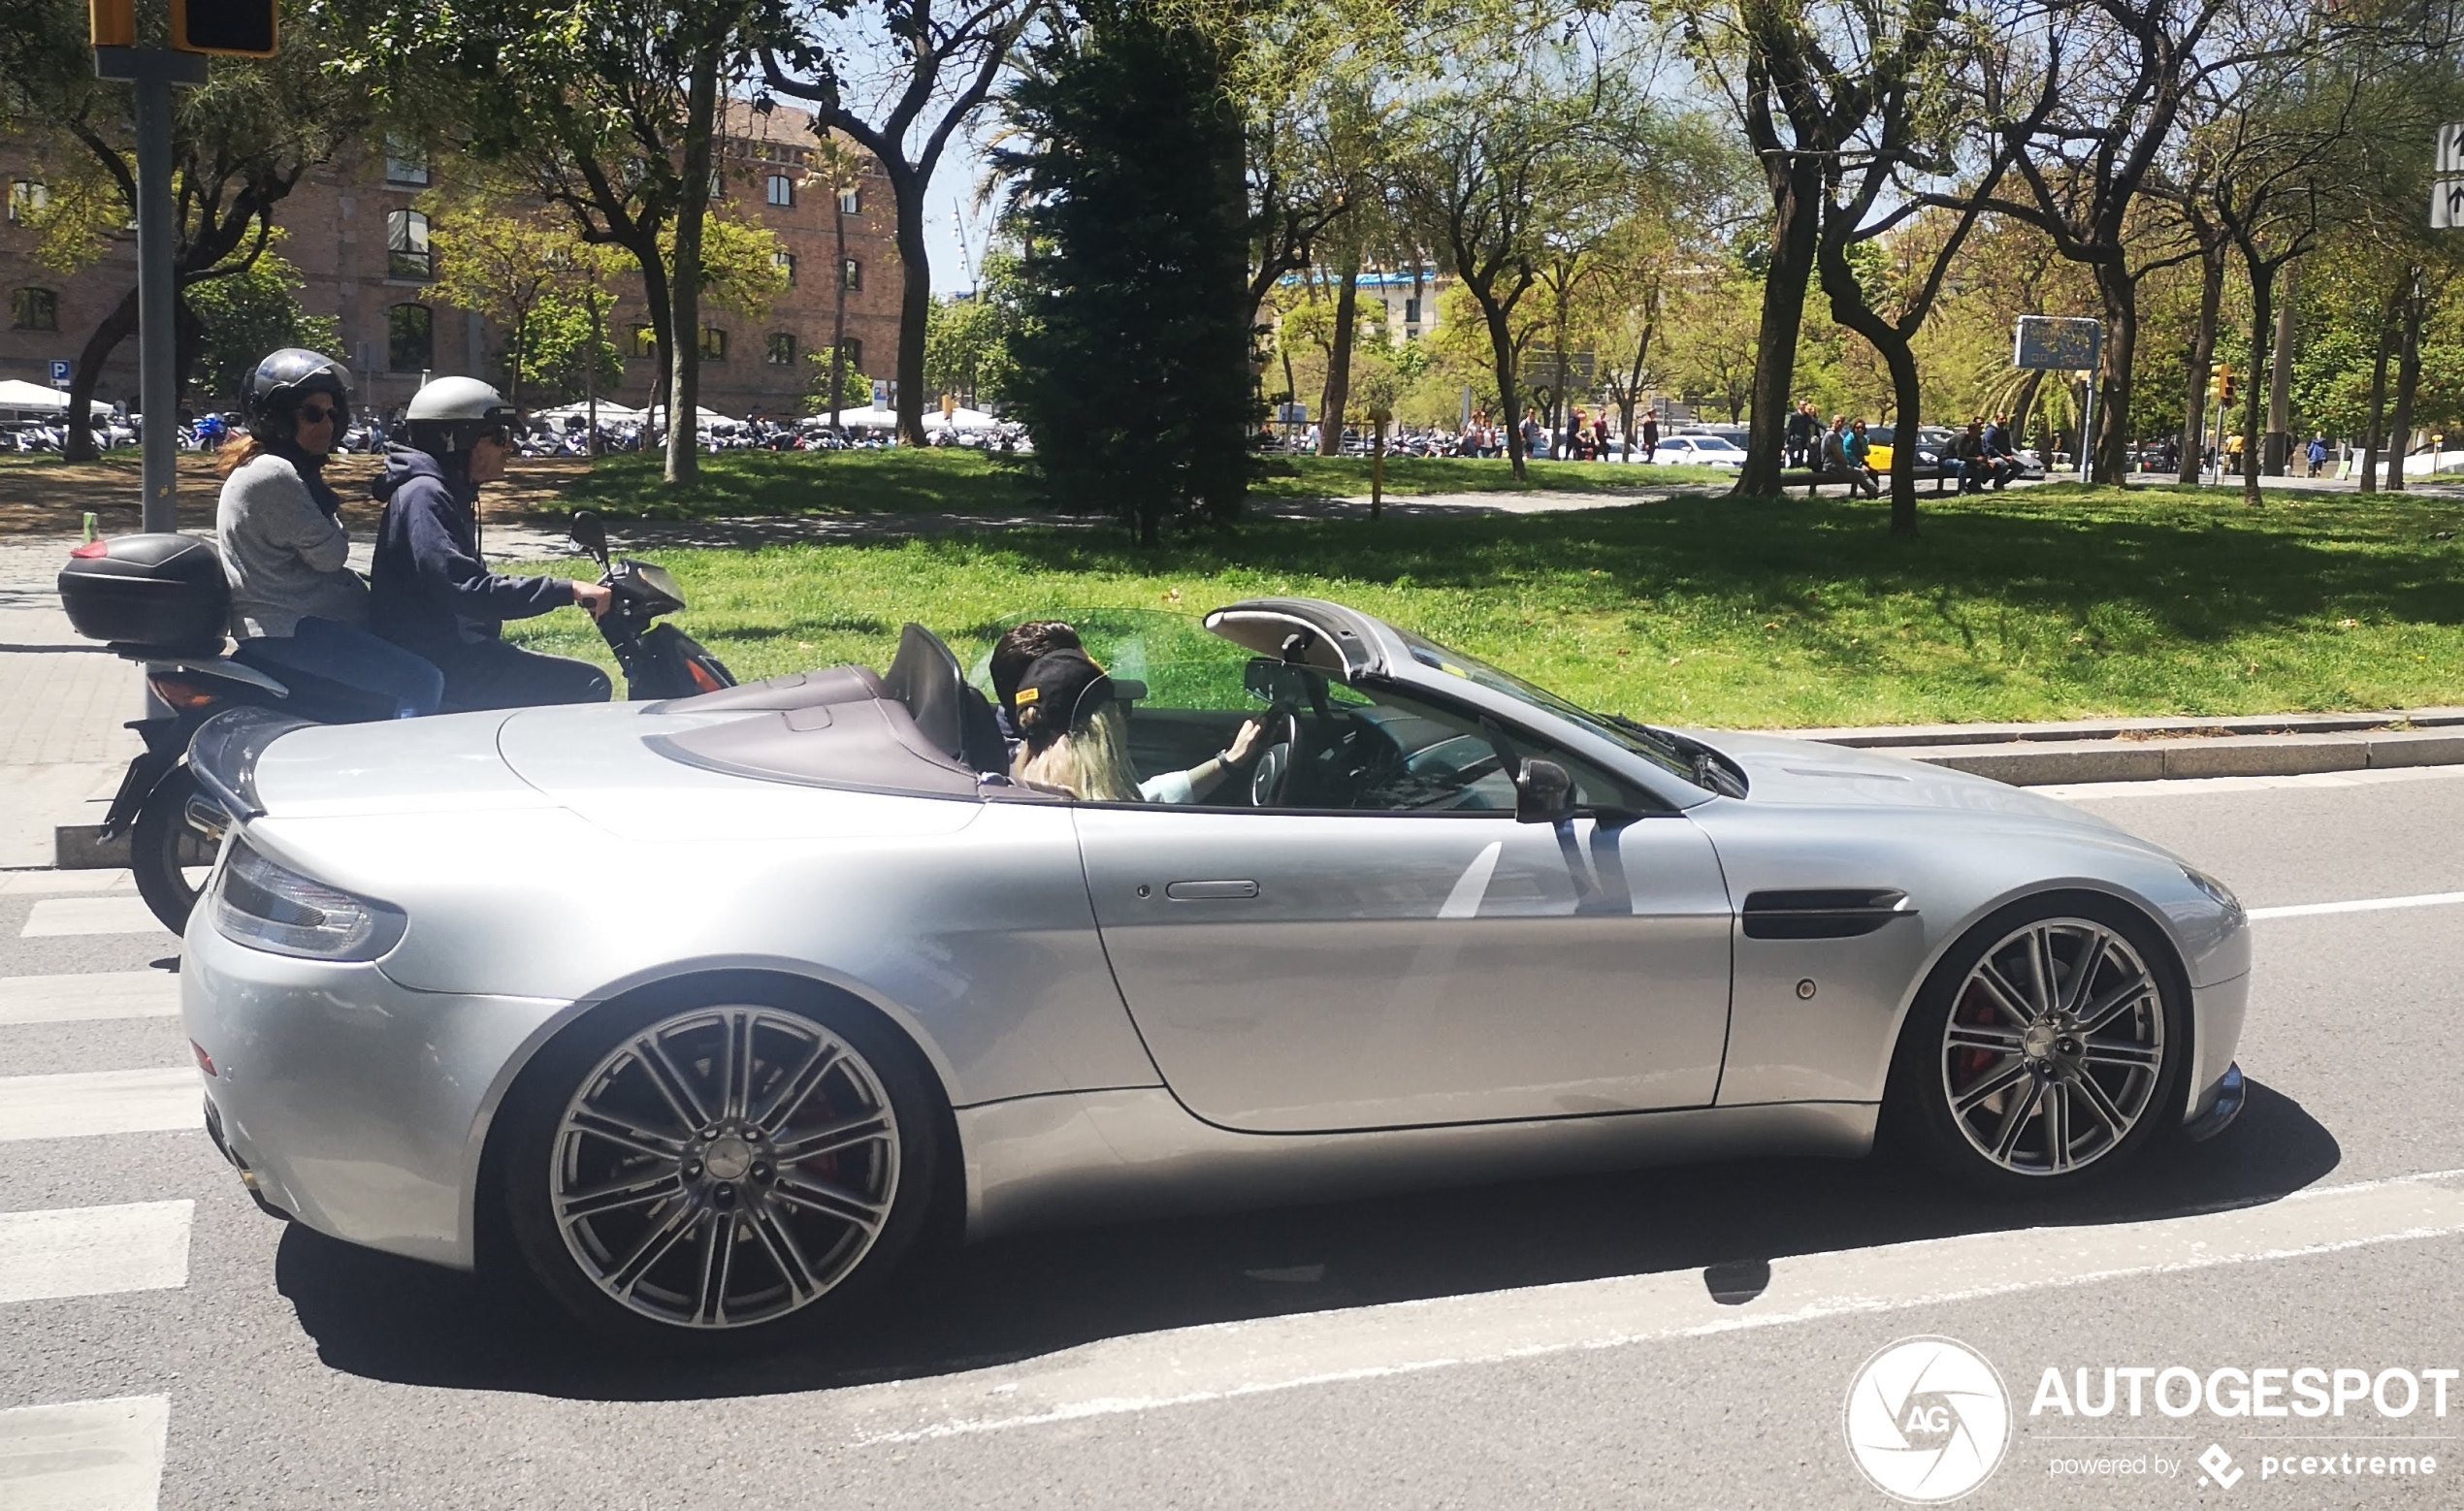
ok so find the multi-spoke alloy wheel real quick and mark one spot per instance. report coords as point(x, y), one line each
point(2046, 1043)
point(716, 1168)
point(2054, 1048)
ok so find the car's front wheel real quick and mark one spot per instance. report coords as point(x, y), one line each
point(2046, 1048)
point(721, 1170)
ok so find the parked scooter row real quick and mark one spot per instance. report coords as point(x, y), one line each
point(163, 600)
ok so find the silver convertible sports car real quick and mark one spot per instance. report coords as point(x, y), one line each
point(707, 1010)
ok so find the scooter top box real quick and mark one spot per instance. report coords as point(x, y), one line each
point(165, 590)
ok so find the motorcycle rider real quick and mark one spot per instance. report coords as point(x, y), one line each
point(297, 608)
point(433, 592)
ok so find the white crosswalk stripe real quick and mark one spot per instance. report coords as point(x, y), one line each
point(88, 997)
point(58, 915)
point(86, 1103)
point(93, 1251)
point(85, 1456)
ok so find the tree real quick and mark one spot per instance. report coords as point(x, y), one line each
point(248, 312)
point(1130, 359)
point(502, 265)
point(240, 144)
point(1509, 154)
point(901, 78)
point(838, 170)
point(966, 348)
point(610, 110)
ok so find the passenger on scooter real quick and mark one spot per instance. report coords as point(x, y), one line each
point(297, 608)
point(433, 592)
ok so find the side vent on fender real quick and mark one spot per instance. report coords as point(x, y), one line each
point(1831, 913)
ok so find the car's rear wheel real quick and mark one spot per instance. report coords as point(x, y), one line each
point(2048, 1048)
point(721, 1172)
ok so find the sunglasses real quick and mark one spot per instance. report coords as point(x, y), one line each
point(317, 415)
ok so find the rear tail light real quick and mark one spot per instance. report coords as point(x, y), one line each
point(205, 1061)
point(182, 695)
point(273, 908)
point(92, 549)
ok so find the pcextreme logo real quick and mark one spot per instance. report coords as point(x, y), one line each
point(1928, 1420)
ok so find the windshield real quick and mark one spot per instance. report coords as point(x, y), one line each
point(1650, 744)
point(1713, 443)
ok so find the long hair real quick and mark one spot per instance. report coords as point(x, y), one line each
point(236, 452)
point(1090, 762)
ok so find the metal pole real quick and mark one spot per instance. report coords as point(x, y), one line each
point(157, 341)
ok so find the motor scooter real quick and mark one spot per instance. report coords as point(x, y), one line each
point(660, 661)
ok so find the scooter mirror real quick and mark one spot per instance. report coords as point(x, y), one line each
point(590, 534)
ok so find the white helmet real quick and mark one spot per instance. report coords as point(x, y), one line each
point(447, 415)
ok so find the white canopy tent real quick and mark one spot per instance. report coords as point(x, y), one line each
point(869, 418)
point(963, 419)
point(33, 398)
point(609, 414)
point(657, 414)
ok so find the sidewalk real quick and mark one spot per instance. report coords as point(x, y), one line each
point(62, 702)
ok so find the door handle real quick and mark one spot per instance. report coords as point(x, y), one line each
point(1209, 891)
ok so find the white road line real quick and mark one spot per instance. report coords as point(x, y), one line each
point(2193, 786)
point(83, 1103)
point(88, 996)
point(89, 916)
point(1194, 1365)
point(36, 884)
point(2303, 909)
point(85, 1456)
point(93, 1251)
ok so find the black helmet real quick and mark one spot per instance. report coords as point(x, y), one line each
point(284, 378)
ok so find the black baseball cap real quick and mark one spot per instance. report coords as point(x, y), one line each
point(1066, 682)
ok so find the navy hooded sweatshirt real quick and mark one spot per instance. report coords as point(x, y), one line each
point(432, 592)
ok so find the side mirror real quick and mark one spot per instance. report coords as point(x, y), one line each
point(590, 534)
point(1543, 793)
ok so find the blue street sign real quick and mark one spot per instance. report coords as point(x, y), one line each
point(62, 371)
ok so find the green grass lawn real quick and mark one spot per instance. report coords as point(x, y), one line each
point(957, 480)
point(2052, 603)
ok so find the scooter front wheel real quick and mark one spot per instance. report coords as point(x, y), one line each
point(160, 842)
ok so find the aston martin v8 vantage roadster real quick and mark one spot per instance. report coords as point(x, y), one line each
point(707, 1010)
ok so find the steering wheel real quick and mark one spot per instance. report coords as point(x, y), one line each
point(1271, 777)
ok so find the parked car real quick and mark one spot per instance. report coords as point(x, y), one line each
point(812, 977)
point(1698, 450)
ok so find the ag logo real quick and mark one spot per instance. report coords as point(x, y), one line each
point(1928, 1420)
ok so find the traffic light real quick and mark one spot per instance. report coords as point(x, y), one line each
point(230, 28)
point(114, 22)
point(2223, 386)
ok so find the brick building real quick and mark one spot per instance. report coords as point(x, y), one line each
point(358, 238)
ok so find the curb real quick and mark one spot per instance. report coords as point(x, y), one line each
point(2157, 750)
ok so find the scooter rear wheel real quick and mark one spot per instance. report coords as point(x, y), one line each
point(157, 845)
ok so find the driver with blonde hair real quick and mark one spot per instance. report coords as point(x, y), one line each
point(1074, 735)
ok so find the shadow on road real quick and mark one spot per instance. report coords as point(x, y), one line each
point(392, 1319)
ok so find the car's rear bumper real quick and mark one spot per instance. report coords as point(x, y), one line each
point(359, 1105)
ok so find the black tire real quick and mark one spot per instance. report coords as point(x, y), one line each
point(1919, 1104)
point(719, 1225)
point(157, 841)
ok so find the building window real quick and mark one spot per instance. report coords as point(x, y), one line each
point(785, 262)
point(851, 201)
point(407, 254)
point(410, 339)
point(852, 274)
point(406, 162)
point(34, 309)
point(780, 190)
point(27, 198)
point(714, 345)
point(1411, 312)
point(645, 341)
point(782, 352)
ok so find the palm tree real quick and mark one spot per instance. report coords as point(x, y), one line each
point(837, 168)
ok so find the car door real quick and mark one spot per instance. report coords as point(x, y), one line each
point(1367, 967)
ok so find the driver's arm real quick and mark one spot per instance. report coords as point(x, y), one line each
point(1199, 781)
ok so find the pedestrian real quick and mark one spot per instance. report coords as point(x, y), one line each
point(1535, 433)
point(1805, 429)
point(1600, 435)
point(1860, 454)
point(1650, 434)
point(1836, 464)
point(1969, 450)
point(2318, 453)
